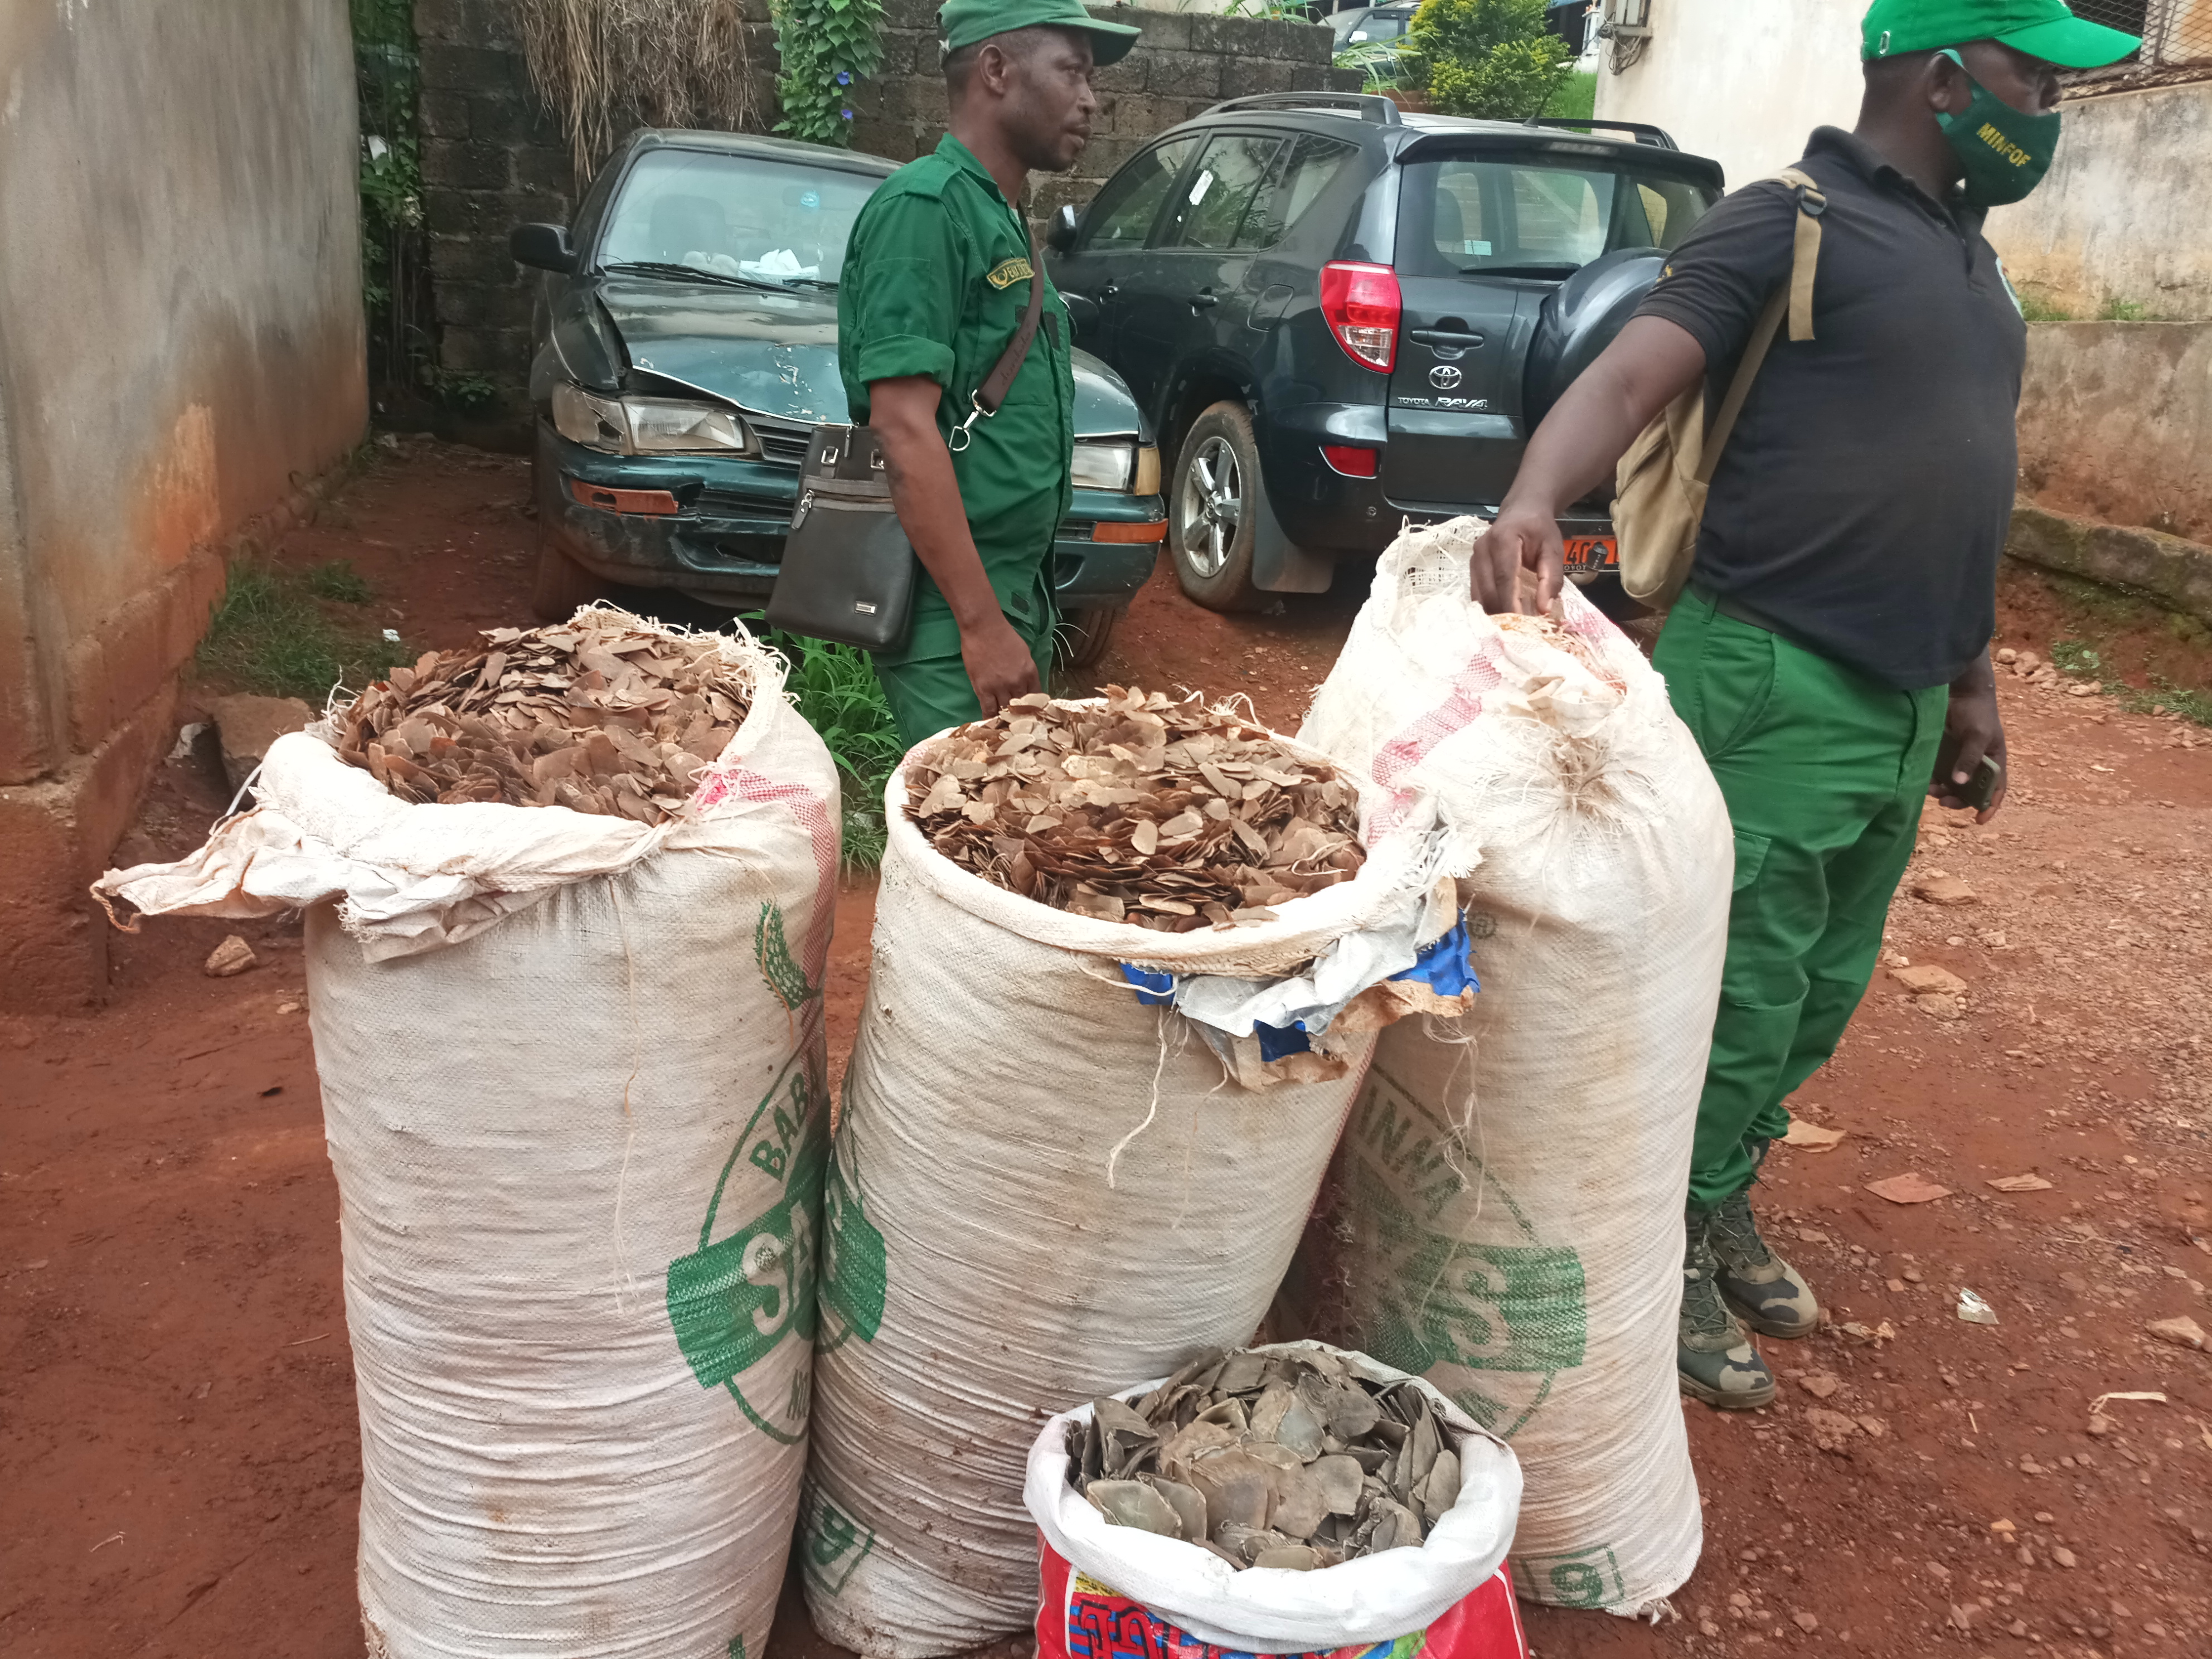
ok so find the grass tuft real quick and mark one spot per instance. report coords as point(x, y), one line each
point(838, 696)
point(269, 634)
point(339, 581)
point(2117, 310)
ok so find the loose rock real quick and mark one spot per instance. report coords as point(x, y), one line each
point(1926, 978)
point(2183, 1332)
point(233, 956)
point(1945, 890)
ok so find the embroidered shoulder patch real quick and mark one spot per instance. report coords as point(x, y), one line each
point(1009, 271)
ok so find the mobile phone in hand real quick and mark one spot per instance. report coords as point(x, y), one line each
point(1978, 791)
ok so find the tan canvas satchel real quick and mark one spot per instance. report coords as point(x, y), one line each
point(1659, 487)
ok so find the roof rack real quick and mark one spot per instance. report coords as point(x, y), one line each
point(1644, 133)
point(1369, 106)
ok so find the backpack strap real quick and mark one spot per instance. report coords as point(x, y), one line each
point(1795, 298)
point(1805, 252)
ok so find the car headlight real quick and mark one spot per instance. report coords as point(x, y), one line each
point(648, 426)
point(1120, 465)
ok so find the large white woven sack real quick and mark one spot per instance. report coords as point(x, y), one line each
point(1379, 1598)
point(981, 1271)
point(574, 1091)
point(1509, 1197)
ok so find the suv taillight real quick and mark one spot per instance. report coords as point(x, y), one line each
point(1362, 306)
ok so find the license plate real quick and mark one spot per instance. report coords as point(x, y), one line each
point(1593, 553)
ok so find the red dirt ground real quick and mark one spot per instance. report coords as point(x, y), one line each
point(177, 1427)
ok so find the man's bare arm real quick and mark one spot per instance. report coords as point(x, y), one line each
point(903, 413)
point(1581, 441)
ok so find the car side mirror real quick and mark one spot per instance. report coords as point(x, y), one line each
point(545, 247)
point(1060, 235)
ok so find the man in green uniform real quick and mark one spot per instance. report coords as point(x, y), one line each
point(935, 283)
point(1837, 622)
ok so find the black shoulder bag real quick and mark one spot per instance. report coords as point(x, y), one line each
point(848, 569)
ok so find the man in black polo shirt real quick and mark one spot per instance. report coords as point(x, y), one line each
point(1840, 609)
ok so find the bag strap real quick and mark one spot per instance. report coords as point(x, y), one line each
point(987, 398)
point(1794, 297)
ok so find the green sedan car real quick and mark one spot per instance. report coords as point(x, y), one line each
point(685, 344)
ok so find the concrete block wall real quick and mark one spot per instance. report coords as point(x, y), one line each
point(493, 157)
point(180, 342)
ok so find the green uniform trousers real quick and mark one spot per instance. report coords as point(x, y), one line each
point(1824, 771)
point(931, 691)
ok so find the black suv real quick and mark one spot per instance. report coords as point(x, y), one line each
point(1337, 316)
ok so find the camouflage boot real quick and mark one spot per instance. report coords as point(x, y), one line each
point(1713, 1359)
point(1772, 1297)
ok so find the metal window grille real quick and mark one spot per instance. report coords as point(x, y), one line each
point(2177, 35)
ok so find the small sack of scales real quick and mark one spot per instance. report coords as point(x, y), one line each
point(1294, 1497)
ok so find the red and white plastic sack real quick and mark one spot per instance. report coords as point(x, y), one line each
point(1112, 1591)
point(573, 1087)
point(1507, 1203)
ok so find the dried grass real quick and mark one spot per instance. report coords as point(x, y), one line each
point(599, 64)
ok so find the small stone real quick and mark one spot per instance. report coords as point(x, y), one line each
point(2008, 656)
point(2018, 1627)
point(1939, 1006)
point(1831, 1431)
point(1947, 891)
point(1911, 1275)
point(1806, 1621)
point(2064, 1557)
point(1928, 979)
point(1874, 1427)
point(1706, 1627)
point(233, 956)
point(288, 1007)
point(2026, 1556)
point(246, 725)
point(2183, 1332)
point(1819, 1384)
point(2099, 1425)
point(1896, 1285)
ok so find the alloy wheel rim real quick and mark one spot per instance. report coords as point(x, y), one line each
point(1209, 507)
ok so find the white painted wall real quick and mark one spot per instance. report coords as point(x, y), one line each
point(2121, 215)
point(1744, 82)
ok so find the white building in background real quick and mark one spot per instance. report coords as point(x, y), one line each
point(2119, 223)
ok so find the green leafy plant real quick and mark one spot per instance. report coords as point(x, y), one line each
point(394, 253)
point(838, 695)
point(2037, 309)
point(2117, 310)
point(456, 390)
point(268, 634)
point(2076, 658)
point(825, 48)
point(1488, 58)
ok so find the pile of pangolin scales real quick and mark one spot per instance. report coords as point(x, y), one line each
point(599, 714)
point(1283, 1460)
point(1136, 808)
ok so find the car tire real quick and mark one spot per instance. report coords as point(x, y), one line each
point(562, 584)
point(1213, 510)
point(1083, 634)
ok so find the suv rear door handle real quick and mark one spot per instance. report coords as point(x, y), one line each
point(1203, 298)
point(1109, 290)
point(1447, 337)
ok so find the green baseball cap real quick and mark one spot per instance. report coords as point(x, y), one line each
point(2042, 28)
point(964, 22)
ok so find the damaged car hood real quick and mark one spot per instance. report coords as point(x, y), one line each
point(776, 355)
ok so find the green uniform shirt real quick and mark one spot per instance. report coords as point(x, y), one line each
point(935, 281)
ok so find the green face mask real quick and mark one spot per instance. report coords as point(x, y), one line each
point(2005, 151)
